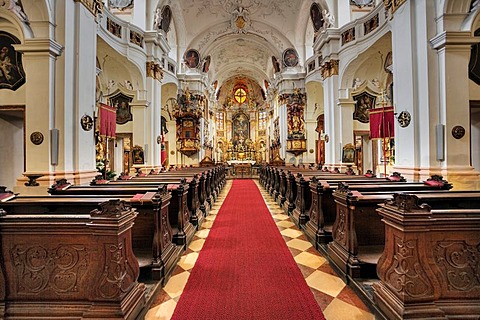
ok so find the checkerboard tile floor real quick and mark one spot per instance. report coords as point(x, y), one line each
point(335, 298)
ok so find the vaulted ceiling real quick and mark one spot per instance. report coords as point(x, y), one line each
point(241, 47)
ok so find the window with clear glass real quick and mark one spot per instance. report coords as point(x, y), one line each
point(219, 121)
point(262, 120)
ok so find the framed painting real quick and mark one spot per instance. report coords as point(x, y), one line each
point(138, 155)
point(192, 58)
point(12, 75)
point(316, 16)
point(121, 102)
point(166, 19)
point(290, 57)
point(363, 102)
point(348, 154)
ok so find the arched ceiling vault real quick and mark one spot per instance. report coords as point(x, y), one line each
point(270, 27)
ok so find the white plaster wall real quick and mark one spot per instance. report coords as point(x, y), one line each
point(11, 150)
point(9, 97)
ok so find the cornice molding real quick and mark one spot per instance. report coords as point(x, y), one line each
point(453, 38)
point(40, 46)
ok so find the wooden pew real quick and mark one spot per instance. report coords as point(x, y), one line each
point(210, 182)
point(68, 262)
point(429, 268)
point(358, 233)
point(184, 219)
point(289, 186)
point(303, 195)
point(152, 233)
point(322, 212)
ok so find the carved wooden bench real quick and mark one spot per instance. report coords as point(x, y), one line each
point(429, 268)
point(64, 262)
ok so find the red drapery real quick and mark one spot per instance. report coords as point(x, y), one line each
point(382, 123)
point(163, 151)
point(108, 120)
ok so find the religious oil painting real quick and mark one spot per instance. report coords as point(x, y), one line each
point(192, 58)
point(363, 103)
point(290, 57)
point(121, 102)
point(316, 16)
point(12, 75)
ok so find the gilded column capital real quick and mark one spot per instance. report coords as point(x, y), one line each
point(329, 68)
point(94, 6)
point(393, 5)
point(154, 70)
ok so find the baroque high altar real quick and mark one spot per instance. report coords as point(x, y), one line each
point(240, 121)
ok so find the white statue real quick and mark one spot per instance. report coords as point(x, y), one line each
point(157, 19)
point(328, 19)
point(120, 4)
point(356, 83)
point(128, 85)
point(16, 7)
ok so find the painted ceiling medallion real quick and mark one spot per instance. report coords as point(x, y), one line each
point(404, 119)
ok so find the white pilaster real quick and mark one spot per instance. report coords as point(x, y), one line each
point(332, 122)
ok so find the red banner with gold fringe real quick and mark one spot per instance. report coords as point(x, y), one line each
point(382, 123)
point(108, 120)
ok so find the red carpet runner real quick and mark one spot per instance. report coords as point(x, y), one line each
point(245, 270)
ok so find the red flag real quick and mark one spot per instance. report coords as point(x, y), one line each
point(382, 123)
point(108, 120)
point(163, 151)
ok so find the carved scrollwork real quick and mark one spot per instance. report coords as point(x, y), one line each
point(460, 264)
point(113, 208)
point(340, 232)
point(406, 274)
point(163, 190)
point(38, 269)
point(314, 212)
point(118, 276)
point(407, 203)
point(343, 188)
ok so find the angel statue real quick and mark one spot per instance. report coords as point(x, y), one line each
point(328, 19)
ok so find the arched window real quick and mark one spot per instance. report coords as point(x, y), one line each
point(240, 95)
